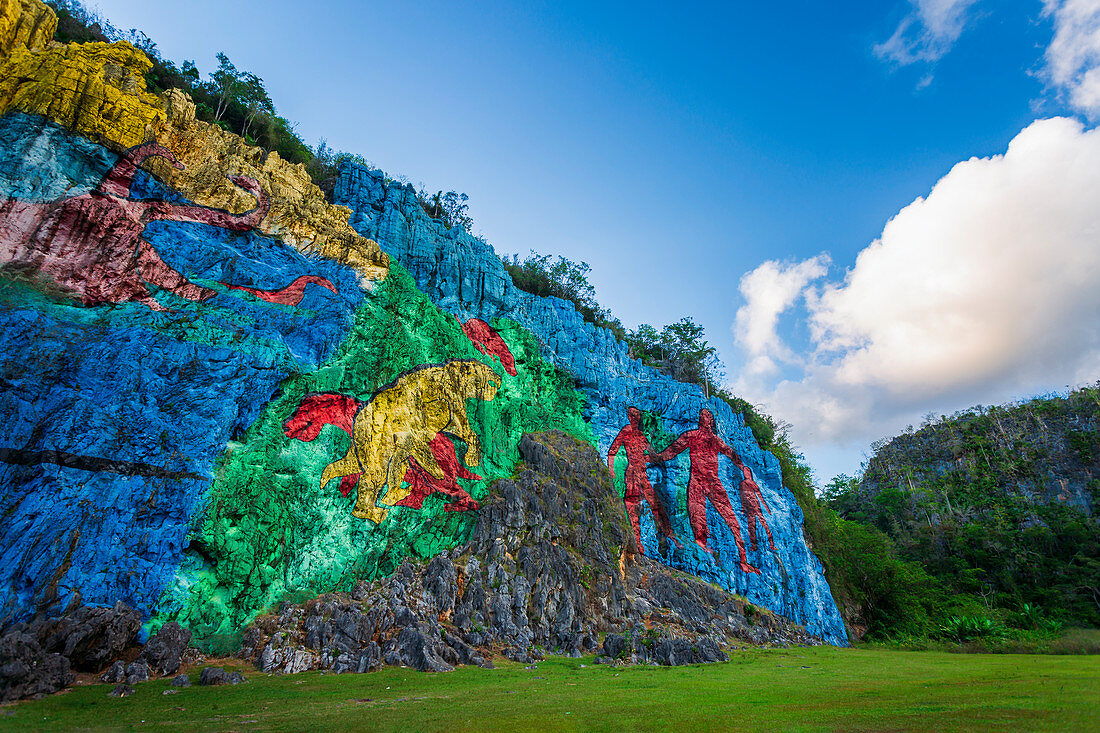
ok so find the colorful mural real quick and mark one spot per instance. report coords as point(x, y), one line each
point(93, 245)
point(488, 342)
point(112, 331)
point(168, 367)
point(423, 484)
point(638, 454)
point(397, 430)
point(704, 446)
point(97, 91)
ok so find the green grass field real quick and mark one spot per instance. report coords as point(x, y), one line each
point(793, 689)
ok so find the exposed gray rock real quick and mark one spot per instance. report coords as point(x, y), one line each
point(181, 680)
point(218, 676)
point(213, 676)
point(26, 669)
point(164, 650)
point(115, 673)
point(137, 672)
point(121, 690)
point(91, 638)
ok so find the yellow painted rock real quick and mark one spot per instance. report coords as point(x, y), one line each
point(400, 423)
point(25, 23)
point(98, 90)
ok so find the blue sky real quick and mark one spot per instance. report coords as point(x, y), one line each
point(677, 148)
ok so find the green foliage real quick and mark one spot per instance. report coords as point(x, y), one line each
point(979, 499)
point(763, 427)
point(679, 350)
point(324, 165)
point(78, 24)
point(450, 208)
point(968, 628)
point(878, 592)
point(541, 275)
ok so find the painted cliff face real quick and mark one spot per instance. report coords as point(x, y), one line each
point(637, 485)
point(93, 245)
point(692, 491)
point(168, 370)
point(400, 430)
point(139, 334)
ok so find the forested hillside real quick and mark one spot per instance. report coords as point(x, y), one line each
point(996, 502)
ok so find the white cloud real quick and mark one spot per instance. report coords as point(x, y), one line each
point(927, 33)
point(1073, 57)
point(769, 290)
point(985, 290)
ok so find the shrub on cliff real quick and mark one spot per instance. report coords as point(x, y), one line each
point(541, 275)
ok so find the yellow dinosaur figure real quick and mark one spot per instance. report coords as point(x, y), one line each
point(400, 423)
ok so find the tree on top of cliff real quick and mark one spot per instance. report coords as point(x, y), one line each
point(225, 84)
point(679, 350)
point(450, 208)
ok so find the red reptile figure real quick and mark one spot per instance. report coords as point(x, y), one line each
point(422, 483)
point(488, 342)
point(704, 445)
point(638, 487)
point(751, 499)
point(93, 245)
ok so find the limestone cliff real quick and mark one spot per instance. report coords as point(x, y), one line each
point(97, 91)
point(463, 275)
point(532, 579)
point(219, 396)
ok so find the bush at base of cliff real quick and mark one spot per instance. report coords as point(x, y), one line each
point(880, 594)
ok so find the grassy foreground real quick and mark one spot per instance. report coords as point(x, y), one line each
point(792, 689)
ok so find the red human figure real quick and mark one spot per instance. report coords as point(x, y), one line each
point(638, 487)
point(422, 484)
point(751, 499)
point(93, 246)
point(704, 445)
point(488, 342)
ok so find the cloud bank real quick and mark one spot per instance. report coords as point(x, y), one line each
point(985, 290)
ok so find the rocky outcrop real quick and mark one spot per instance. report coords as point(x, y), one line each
point(25, 24)
point(36, 657)
point(27, 670)
point(90, 637)
point(213, 403)
point(551, 567)
point(163, 653)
